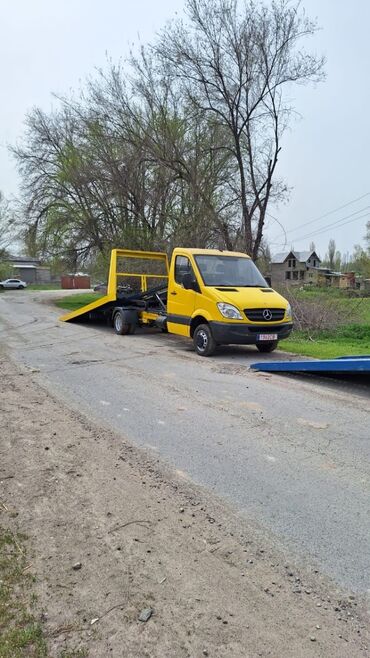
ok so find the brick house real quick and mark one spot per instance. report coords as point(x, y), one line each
point(294, 267)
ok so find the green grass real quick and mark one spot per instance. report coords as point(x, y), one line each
point(73, 302)
point(43, 286)
point(20, 634)
point(348, 340)
point(323, 349)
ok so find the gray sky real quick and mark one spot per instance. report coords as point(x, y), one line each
point(52, 46)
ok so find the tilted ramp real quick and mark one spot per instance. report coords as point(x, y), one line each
point(355, 365)
point(110, 299)
point(83, 313)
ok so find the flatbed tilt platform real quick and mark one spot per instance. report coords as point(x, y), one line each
point(355, 365)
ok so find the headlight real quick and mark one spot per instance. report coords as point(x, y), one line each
point(288, 312)
point(229, 311)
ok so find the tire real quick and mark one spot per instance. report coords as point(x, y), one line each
point(204, 343)
point(20, 287)
point(267, 347)
point(120, 327)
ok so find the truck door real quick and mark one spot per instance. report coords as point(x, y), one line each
point(180, 302)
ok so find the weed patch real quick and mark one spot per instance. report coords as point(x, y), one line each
point(73, 302)
point(20, 634)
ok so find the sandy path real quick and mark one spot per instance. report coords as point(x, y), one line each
point(147, 538)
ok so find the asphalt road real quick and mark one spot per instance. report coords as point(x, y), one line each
point(292, 455)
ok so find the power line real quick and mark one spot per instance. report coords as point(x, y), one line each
point(329, 227)
point(337, 224)
point(334, 224)
point(280, 224)
point(330, 212)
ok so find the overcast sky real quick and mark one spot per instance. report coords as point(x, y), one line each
point(52, 46)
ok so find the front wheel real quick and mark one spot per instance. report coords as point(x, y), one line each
point(267, 347)
point(204, 343)
point(121, 327)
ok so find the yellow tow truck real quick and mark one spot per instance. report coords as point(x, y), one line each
point(214, 297)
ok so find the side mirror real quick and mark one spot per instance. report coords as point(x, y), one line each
point(189, 282)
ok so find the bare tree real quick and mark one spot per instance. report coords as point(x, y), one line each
point(6, 225)
point(360, 261)
point(178, 146)
point(331, 253)
point(132, 167)
point(7, 236)
point(264, 257)
point(234, 61)
point(191, 147)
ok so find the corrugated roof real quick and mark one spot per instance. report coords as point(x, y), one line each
point(23, 259)
point(280, 258)
point(18, 266)
point(301, 256)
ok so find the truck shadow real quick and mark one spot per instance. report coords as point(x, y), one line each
point(184, 345)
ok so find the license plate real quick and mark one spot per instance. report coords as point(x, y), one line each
point(267, 337)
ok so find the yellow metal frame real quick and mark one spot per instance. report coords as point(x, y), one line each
point(114, 276)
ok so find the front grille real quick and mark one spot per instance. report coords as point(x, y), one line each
point(259, 314)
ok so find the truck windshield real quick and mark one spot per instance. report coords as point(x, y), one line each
point(230, 271)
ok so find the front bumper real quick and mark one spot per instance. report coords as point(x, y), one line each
point(226, 333)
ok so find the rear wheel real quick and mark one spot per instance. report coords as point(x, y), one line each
point(204, 343)
point(20, 287)
point(268, 346)
point(121, 327)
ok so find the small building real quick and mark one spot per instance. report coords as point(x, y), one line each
point(295, 267)
point(29, 269)
point(348, 280)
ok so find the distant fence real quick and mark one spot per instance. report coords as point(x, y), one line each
point(70, 282)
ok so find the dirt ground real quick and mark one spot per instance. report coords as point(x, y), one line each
point(146, 537)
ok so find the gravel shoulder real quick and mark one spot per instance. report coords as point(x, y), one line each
point(146, 537)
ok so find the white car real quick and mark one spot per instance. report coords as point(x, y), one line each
point(13, 283)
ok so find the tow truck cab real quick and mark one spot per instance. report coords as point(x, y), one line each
point(220, 297)
point(214, 297)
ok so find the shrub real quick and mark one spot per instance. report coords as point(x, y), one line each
point(316, 313)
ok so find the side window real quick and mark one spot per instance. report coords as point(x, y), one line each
point(182, 266)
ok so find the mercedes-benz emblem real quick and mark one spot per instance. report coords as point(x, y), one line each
point(267, 315)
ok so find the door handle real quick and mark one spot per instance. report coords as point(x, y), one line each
point(173, 292)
